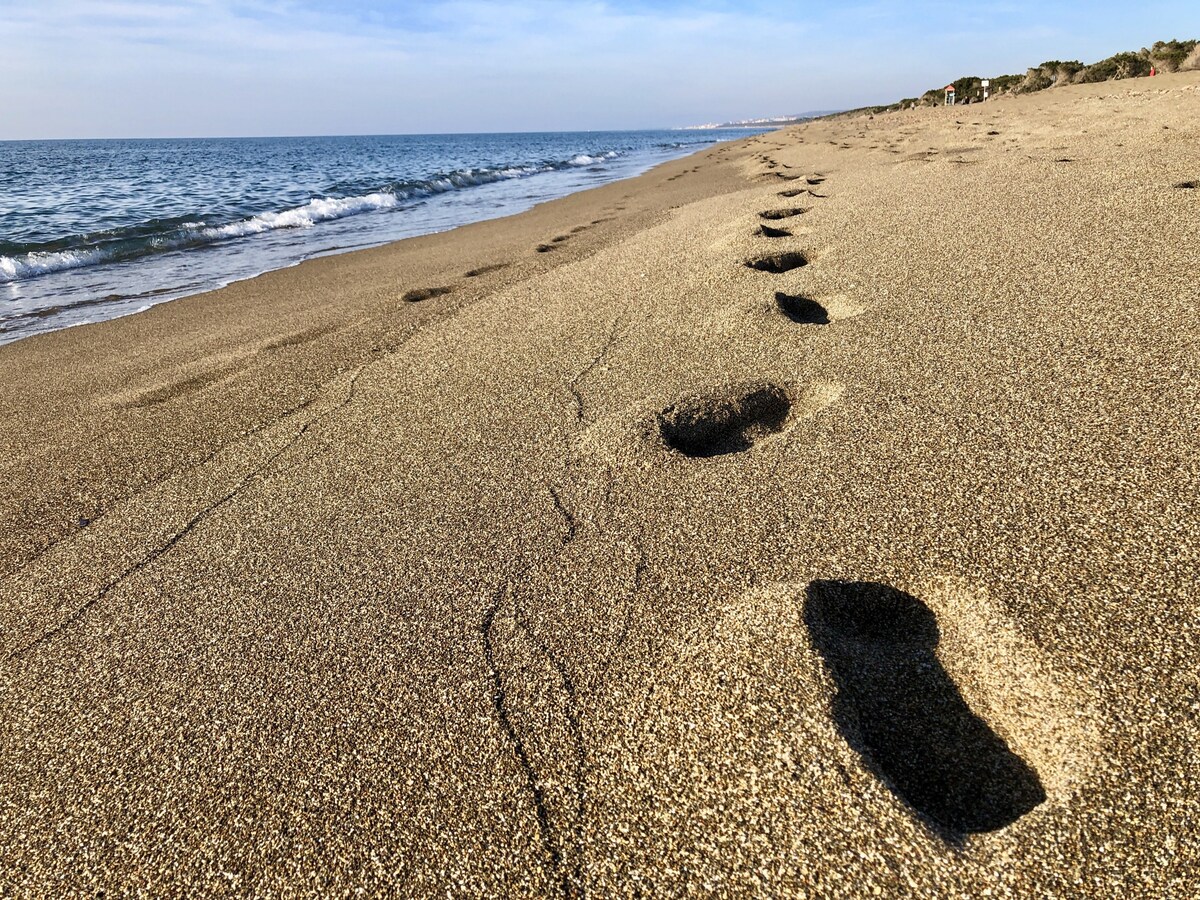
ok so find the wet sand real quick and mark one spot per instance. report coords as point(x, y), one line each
point(813, 516)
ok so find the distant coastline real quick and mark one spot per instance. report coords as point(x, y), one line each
point(768, 122)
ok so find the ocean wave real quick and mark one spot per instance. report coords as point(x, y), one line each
point(20, 262)
point(312, 212)
point(30, 265)
point(584, 159)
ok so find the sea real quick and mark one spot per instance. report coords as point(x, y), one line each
point(95, 229)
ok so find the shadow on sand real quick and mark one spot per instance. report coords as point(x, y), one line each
point(900, 710)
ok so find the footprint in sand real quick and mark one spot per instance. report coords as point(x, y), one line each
point(785, 213)
point(418, 294)
point(734, 419)
point(801, 310)
point(901, 711)
point(768, 232)
point(545, 248)
point(297, 339)
point(1186, 186)
point(483, 270)
point(731, 423)
point(778, 263)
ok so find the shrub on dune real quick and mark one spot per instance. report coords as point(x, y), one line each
point(1174, 56)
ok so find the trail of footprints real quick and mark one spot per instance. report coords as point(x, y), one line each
point(894, 705)
point(724, 423)
point(417, 295)
point(555, 241)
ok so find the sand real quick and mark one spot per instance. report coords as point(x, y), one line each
point(625, 568)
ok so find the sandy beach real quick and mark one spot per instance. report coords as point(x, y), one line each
point(813, 516)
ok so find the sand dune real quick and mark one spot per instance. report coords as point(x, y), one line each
point(814, 516)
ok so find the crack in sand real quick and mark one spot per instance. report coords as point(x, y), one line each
point(165, 477)
point(580, 409)
point(258, 473)
point(572, 881)
point(569, 878)
point(564, 844)
point(567, 516)
point(639, 576)
point(206, 459)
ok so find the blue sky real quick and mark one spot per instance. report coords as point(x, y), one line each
point(145, 68)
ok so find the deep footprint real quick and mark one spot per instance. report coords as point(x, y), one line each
point(769, 232)
point(1186, 185)
point(778, 263)
point(901, 711)
point(483, 270)
point(728, 423)
point(786, 213)
point(418, 294)
point(545, 248)
point(801, 309)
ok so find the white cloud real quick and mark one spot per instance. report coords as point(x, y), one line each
point(187, 67)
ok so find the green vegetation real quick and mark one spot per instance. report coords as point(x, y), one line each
point(1002, 84)
point(1164, 56)
point(1175, 56)
point(1123, 65)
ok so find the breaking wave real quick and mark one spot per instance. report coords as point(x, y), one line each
point(23, 261)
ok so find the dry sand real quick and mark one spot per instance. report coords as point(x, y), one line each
point(311, 590)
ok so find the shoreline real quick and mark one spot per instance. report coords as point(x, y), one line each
point(810, 515)
point(204, 255)
point(191, 342)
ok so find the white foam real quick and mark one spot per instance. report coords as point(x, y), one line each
point(14, 268)
point(29, 265)
point(305, 216)
point(584, 159)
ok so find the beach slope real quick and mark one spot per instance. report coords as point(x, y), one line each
point(813, 516)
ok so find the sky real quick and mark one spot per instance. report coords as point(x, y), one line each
point(192, 68)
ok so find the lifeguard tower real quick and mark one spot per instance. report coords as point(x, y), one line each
point(951, 94)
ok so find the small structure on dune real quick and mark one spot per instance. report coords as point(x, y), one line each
point(950, 94)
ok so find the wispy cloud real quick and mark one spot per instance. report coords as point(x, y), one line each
point(109, 67)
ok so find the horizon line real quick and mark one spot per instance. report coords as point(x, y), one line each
point(271, 137)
